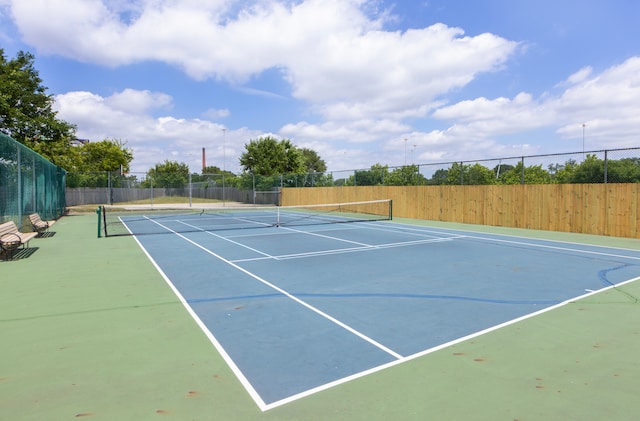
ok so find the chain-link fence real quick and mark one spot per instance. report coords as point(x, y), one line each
point(605, 166)
point(113, 187)
point(28, 184)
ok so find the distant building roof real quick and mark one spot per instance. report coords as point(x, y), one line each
point(79, 142)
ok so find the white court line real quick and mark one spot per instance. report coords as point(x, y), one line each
point(288, 295)
point(327, 236)
point(400, 360)
point(493, 238)
point(438, 347)
point(344, 251)
point(217, 345)
point(228, 239)
point(545, 246)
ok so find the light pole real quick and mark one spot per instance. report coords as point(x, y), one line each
point(583, 128)
point(405, 151)
point(190, 184)
point(224, 159)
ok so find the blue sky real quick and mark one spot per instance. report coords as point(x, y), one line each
point(351, 79)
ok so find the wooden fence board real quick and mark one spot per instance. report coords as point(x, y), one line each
point(601, 209)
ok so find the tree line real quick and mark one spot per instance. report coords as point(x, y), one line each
point(591, 170)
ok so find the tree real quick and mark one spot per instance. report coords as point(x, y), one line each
point(626, 170)
point(500, 170)
point(26, 112)
point(106, 155)
point(268, 156)
point(312, 161)
point(374, 177)
point(91, 163)
point(533, 174)
point(408, 175)
point(215, 170)
point(591, 170)
point(479, 175)
point(563, 174)
point(439, 177)
point(461, 174)
point(168, 174)
point(213, 176)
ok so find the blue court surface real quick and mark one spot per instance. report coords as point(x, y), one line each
point(296, 310)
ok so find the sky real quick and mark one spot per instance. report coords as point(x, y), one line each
point(361, 82)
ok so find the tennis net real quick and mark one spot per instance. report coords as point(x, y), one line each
point(144, 220)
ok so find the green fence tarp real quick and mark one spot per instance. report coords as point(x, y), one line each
point(29, 183)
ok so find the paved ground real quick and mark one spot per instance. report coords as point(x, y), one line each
point(90, 330)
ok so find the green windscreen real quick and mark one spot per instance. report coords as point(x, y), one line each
point(28, 184)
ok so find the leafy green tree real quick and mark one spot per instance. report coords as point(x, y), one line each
point(93, 164)
point(26, 112)
point(479, 174)
point(59, 151)
point(408, 175)
point(500, 170)
point(455, 174)
point(312, 161)
point(626, 170)
point(268, 156)
point(170, 174)
point(106, 155)
point(591, 170)
point(563, 173)
point(439, 177)
point(212, 169)
point(372, 177)
point(475, 174)
point(213, 176)
point(534, 174)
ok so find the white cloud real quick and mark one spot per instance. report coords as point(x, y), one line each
point(365, 83)
point(216, 114)
point(127, 116)
point(607, 103)
point(580, 76)
point(334, 55)
point(381, 73)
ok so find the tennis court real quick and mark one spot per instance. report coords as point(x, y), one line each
point(304, 303)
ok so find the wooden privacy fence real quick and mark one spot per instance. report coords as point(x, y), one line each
point(600, 209)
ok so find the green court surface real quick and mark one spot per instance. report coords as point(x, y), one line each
point(90, 330)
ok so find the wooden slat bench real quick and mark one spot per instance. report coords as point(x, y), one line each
point(38, 224)
point(11, 238)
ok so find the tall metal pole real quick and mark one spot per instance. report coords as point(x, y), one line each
point(224, 150)
point(583, 127)
point(405, 151)
point(190, 191)
point(224, 160)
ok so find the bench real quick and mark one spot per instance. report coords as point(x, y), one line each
point(11, 238)
point(38, 224)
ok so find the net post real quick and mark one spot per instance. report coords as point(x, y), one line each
point(390, 209)
point(104, 221)
point(99, 212)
